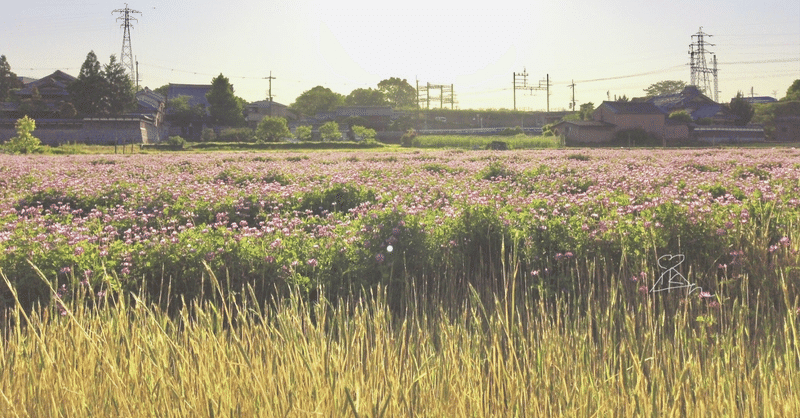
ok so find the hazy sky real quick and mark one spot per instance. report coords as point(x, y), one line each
point(615, 47)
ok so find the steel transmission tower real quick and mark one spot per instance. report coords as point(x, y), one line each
point(126, 59)
point(701, 74)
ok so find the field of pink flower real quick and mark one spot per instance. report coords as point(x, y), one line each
point(552, 223)
point(446, 283)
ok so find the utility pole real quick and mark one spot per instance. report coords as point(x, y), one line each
point(572, 105)
point(126, 59)
point(137, 74)
point(269, 92)
point(520, 83)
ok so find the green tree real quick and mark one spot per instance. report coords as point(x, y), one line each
point(272, 129)
point(330, 131)
point(303, 133)
point(119, 92)
point(665, 87)
point(366, 97)
point(741, 109)
point(8, 80)
point(180, 113)
point(399, 93)
point(87, 92)
point(24, 142)
point(318, 99)
point(792, 93)
point(366, 134)
point(163, 90)
point(586, 111)
point(224, 107)
point(681, 116)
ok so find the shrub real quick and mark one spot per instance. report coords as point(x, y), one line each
point(366, 134)
point(24, 142)
point(208, 135)
point(303, 133)
point(176, 141)
point(512, 131)
point(272, 129)
point(237, 135)
point(408, 138)
point(330, 131)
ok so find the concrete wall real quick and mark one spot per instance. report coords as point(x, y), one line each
point(88, 131)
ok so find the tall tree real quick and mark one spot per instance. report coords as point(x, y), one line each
point(88, 91)
point(366, 97)
point(318, 99)
point(793, 92)
point(120, 97)
point(224, 107)
point(8, 80)
point(665, 87)
point(272, 129)
point(586, 111)
point(742, 109)
point(399, 93)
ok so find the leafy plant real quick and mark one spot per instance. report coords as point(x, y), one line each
point(24, 142)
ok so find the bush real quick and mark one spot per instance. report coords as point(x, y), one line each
point(24, 142)
point(208, 135)
point(512, 131)
point(408, 138)
point(330, 131)
point(366, 134)
point(237, 135)
point(303, 133)
point(176, 141)
point(272, 129)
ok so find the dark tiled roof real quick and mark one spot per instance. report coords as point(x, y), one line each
point(264, 104)
point(636, 108)
point(195, 92)
point(587, 123)
point(54, 84)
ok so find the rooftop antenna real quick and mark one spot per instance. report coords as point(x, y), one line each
point(126, 59)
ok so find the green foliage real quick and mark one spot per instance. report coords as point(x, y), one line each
point(512, 131)
point(665, 87)
point(792, 93)
point(586, 111)
point(67, 111)
point(496, 170)
point(330, 131)
point(408, 137)
point(681, 116)
point(119, 93)
point(366, 134)
point(208, 135)
point(176, 141)
point(224, 107)
point(24, 142)
point(8, 80)
point(303, 133)
point(742, 109)
point(482, 142)
point(366, 97)
point(272, 129)
point(180, 113)
point(102, 90)
point(236, 135)
point(399, 93)
point(34, 106)
point(318, 99)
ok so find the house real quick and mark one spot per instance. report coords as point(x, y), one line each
point(257, 111)
point(151, 103)
point(695, 103)
point(42, 98)
point(612, 118)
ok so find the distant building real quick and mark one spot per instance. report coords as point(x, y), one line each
point(695, 103)
point(256, 111)
point(195, 92)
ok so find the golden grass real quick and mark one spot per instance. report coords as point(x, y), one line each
point(359, 359)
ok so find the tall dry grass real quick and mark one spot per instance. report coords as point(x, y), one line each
point(359, 358)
